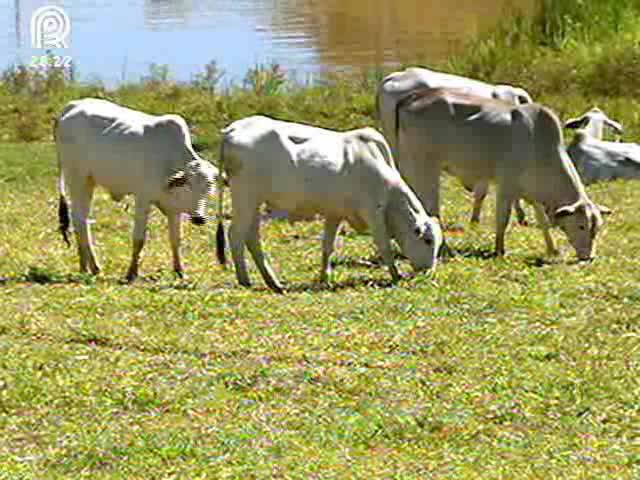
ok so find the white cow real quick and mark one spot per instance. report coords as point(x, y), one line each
point(397, 85)
point(598, 160)
point(479, 139)
point(126, 151)
point(300, 132)
point(341, 175)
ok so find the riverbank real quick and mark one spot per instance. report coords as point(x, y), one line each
point(572, 57)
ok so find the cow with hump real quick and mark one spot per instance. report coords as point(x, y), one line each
point(398, 85)
point(125, 151)
point(520, 148)
point(305, 171)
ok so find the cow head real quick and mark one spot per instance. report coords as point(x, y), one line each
point(514, 95)
point(594, 122)
point(581, 222)
point(191, 187)
point(418, 234)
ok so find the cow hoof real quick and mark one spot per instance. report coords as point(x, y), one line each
point(395, 276)
point(277, 289)
point(131, 277)
point(446, 252)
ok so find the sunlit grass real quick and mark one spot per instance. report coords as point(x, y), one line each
point(511, 368)
point(521, 367)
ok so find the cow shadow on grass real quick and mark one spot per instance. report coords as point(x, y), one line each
point(488, 253)
point(345, 262)
point(316, 286)
point(44, 276)
point(482, 253)
point(538, 262)
point(374, 261)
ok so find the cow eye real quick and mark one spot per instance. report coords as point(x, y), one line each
point(417, 231)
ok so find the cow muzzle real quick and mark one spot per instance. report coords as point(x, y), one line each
point(198, 220)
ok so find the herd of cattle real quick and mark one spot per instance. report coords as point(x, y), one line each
point(432, 121)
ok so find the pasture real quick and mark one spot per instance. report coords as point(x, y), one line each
point(521, 367)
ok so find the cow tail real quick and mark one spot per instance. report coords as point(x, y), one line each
point(64, 219)
point(220, 238)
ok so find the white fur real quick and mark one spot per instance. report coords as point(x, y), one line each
point(481, 140)
point(307, 171)
point(126, 152)
point(599, 160)
point(398, 85)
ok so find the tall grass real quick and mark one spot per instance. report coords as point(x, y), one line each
point(570, 46)
point(583, 21)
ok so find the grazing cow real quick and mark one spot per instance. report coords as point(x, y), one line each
point(479, 139)
point(126, 151)
point(300, 132)
point(398, 85)
point(598, 160)
point(340, 175)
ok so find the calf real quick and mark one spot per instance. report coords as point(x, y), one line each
point(126, 151)
point(341, 175)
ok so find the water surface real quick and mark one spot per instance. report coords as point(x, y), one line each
point(117, 40)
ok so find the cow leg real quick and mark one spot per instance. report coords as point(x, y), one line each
point(328, 242)
point(81, 194)
point(255, 248)
point(243, 217)
point(504, 202)
point(543, 222)
point(479, 194)
point(174, 238)
point(382, 240)
point(139, 236)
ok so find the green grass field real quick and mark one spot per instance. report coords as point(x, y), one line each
point(492, 368)
point(522, 367)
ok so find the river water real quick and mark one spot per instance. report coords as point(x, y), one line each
point(117, 40)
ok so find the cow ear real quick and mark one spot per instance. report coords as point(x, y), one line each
point(615, 126)
point(523, 96)
point(575, 123)
point(178, 179)
point(566, 210)
point(604, 210)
